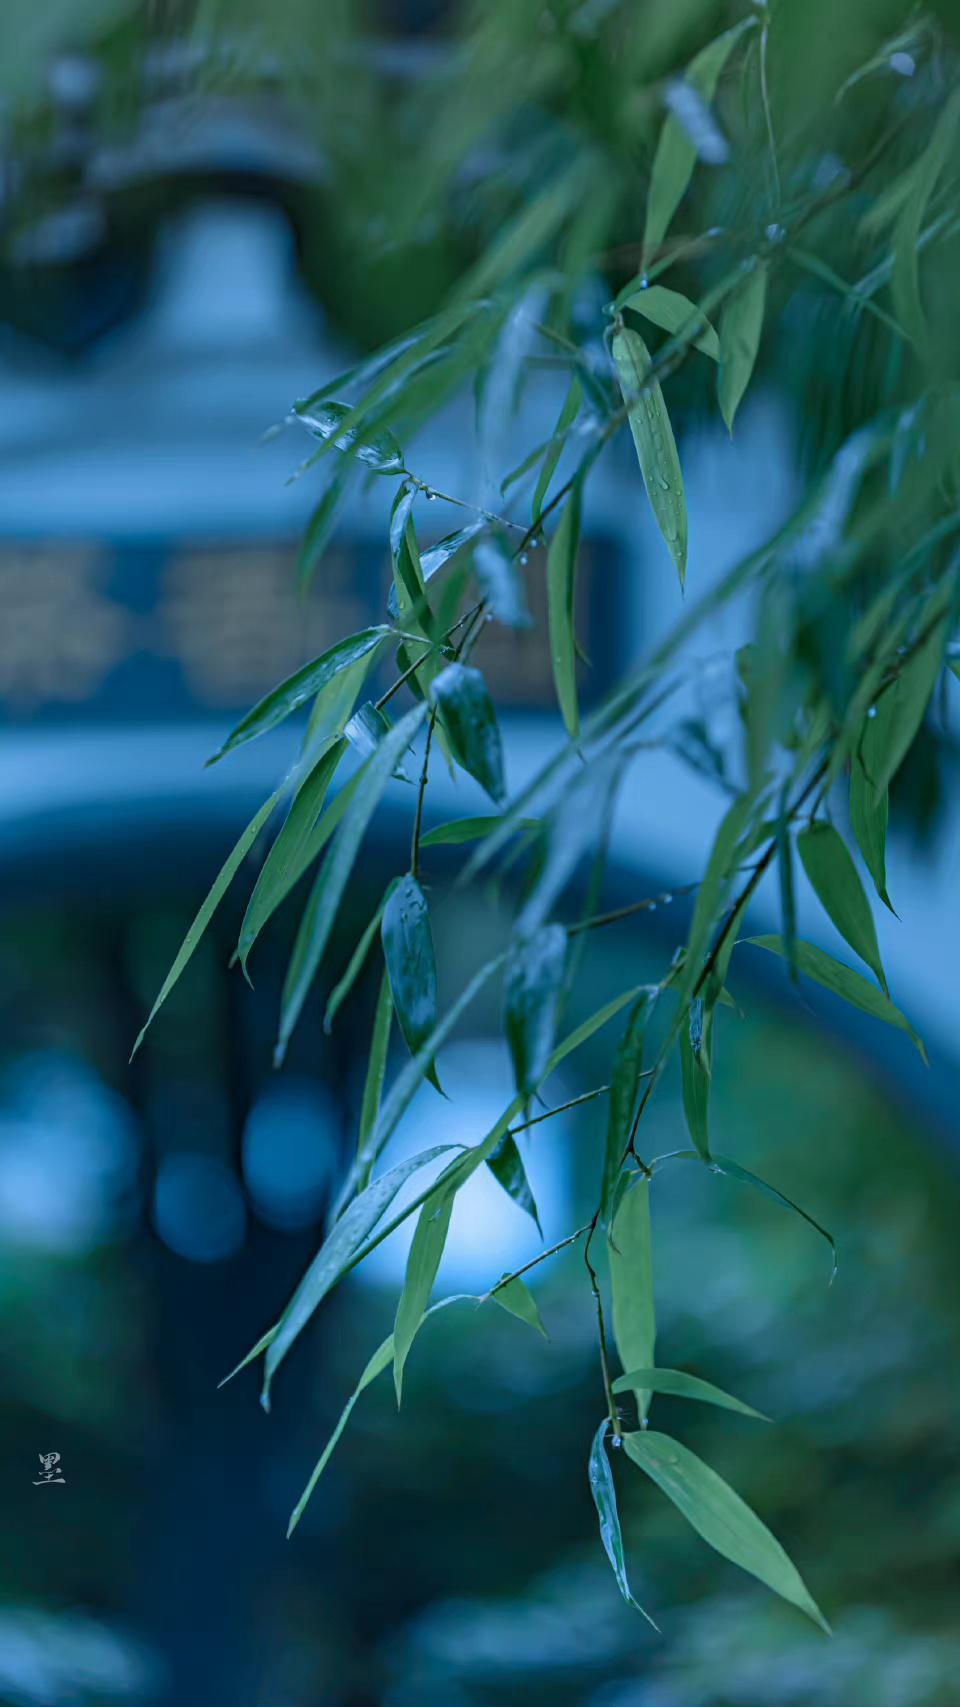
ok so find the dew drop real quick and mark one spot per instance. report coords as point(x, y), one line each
point(666, 899)
point(431, 497)
point(644, 283)
point(523, 560)
point(872, 712)
point(775, 233)
point(653, 906)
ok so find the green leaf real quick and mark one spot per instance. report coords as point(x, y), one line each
point(500, 583)
point(328, 821)
point(623, 1097)
point(470, 721)
point(631, 1280)
point(426, 1250)
point(561, 592)
point(654, 441)
point(318, 532)
point(901, 706)
point(408, 582)
point(741, 323)
point(332, 707)
point(712, 893)
point(695, 1042)
point(324, 418)
point(554, 450)
point(284, 863)
point(302, 685)
point(354, 965)
point(676, 155)
point(604, 1494)
point(411, 965)
point(436, 558)
point(506, 1166)
point(532, 987)
point(674, 313)
point(218, 888)
point(376, 1067)
point(733, 1170)
point(869, 813)
point(844, 982)
point(344, 1240)
point(682, 1386)
point(724, 1520)
point(837, 885)
point(461, 830)
point(331, 881)
point(905, 278)
point(365, 731)
point(515, 1297)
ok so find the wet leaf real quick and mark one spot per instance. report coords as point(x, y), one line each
point(695, 1043)
point(344, 1240)
point(561, 592)
point(284, 863)
point(303, 685)
point(376, 1067)
point(624, 1087)
point(354, 966)
point(324, 418)
point(554, 450)
point(506, 1166)
point(532, 987)
point(214, 896)
point(676, 314)
point(844, 982)
point(332, 708)
point(905, 278)
point(682, 1386)
point(318, 532)
point(717, 1513)
point(655, 444)
point(676, 154)
point(516, 1298)
point(733, 1170)
point(500, 583)
point(604, 1494)
point(741, 323)
point(631, 1280)
point(837, 885)
point(426, 1250)
point(411, 965)
point(331, 880)
point(900, 708)
point(870, 810)
point(365, 731)
point(310, 850)
point(470, 722)
point(461, 830)
point(436, 558)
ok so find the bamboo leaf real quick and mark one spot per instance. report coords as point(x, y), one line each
point(354, 965)
point(623, 1097)
point(674, 313)
point(411, 965)
point(532, 987)
point(318, 532)
point(333, 706)
point(461, 830)
point(682, 1386)
point(554, 450)
point(717, 1513)
point(365, 731)
point(325, 418)
point(741, 323)
point(334, 1256)
point(834, 877)
point(376, 1069)
point(695, 1043)
point(470, 721)
point(870, 810)
point(284, 863)
point(604, 1493)
point(561, 592)
point(515, 1297)
point(900, 708)
point(301, 686)
point(500, 583)
point(324, 827)
point(655, 444)
point(506, 1166)
point(676, 154)
point(905, 277)
point(851, 986)
point(426, 1250)
point(631, 1280)
point(215, 894)
point(436, 558)
point(733, 1170)
point(331, 881)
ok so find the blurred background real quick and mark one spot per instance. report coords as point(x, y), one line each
point(181, 259)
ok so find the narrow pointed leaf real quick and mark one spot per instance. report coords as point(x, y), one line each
point(532, 987)
point(284, 863)
point(411, 964)
point(301, 686)
point(554, 450)
point(328, 822)
point(835, 880)
point(676, 314)
point(333, 1257)
point(423, 1261)
point(695, 1045)
point(870, 810)
point(624, 1086)
point(905, 277)
point(682, 1386)
point(376, 1070)
point(741, 323)
point(561, 594)
point(324, 418)
point(733, 1170)
point(332, 877)
point(318, 532)
point(604, 1494)
point(500, 583)
point(366, 729)
point(354, 966)
point(900, 708)
point(655, 444)
point(333, 705)
point(506, 1166)
point(516, 1298)
point(215, 894)
point(436, 558)
point(461, 830)
point(717, 1513)
point(631, 1280)
point(470, 722)
point(844, 982)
